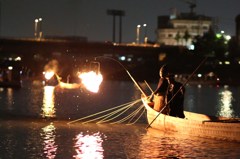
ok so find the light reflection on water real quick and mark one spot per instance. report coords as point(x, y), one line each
point(89, 146)
point(49, 144)
point(39, 101)
point(10, 99)
point(212, 100)
point(155, 144)
point(48, 102)
point(20, 139)
point(225, 103)
point(59, 140)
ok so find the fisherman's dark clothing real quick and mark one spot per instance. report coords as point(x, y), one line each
point(176, 104)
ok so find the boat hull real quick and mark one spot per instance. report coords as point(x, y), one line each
point(195, 124)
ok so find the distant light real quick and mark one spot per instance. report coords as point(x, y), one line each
point(122, 58)
point(222, 31)
point(228, 37)
point(144, 25)
point(239, 62)
point(18, 58)
point(220, 63)
point(218, 36)
point(10, 59)
point(129, 59)
point(199, 75)
point(138, 26)
point(173, 16)
point(36, 20)
point(10, 67)
point(191, 47)
point(227, 63)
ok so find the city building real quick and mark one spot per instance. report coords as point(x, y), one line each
point(179, 29)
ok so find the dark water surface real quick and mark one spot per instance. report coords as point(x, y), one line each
point(34, 124)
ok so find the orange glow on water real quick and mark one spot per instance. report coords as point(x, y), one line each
point(48, 102)
point(91, 80)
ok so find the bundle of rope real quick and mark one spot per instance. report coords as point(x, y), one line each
point(128, 113)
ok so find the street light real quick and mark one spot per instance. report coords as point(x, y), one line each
point(138, 33)
point(145, 33)
point(40, 27)
point(36, 28)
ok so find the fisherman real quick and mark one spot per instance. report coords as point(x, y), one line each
point(159, 96)
point(176, 97)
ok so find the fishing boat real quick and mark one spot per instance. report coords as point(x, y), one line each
point(10, 74)
point(194, 124)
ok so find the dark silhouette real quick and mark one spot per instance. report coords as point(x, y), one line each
point(176, 91)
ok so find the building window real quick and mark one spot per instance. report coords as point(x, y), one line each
point(205, 27)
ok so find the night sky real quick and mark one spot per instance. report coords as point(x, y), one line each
point(89, 18)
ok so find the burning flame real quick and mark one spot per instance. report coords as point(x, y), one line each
point(91, 80)
point(48, 75)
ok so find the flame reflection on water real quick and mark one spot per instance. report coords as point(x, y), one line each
point(48, 102)
point(10, 98)
point(48, 135)
point(89, 146)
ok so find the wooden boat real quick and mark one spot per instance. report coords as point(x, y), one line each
point(194, 124)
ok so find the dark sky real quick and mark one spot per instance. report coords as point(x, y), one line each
point(89, 18)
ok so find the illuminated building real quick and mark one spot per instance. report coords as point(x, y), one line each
point(180, 29)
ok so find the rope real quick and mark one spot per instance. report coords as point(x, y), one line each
point(92, 115)
point(144, 110)
point(115, 112)
point(127, 117)
point(106, 115)
point(128, 107)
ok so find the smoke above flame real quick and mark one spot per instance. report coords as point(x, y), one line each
point(51, 66)
point(91, 80)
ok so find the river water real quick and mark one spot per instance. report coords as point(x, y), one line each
point(34, 123)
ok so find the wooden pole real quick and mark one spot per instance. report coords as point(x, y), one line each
point(134, 81)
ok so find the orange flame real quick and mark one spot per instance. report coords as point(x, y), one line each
point(48, 75)
point(91, 80)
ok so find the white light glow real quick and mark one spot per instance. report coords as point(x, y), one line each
point(227, 63)
point(18, 58)
point(122, 58)
point(228, 37)
point(226, 99)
